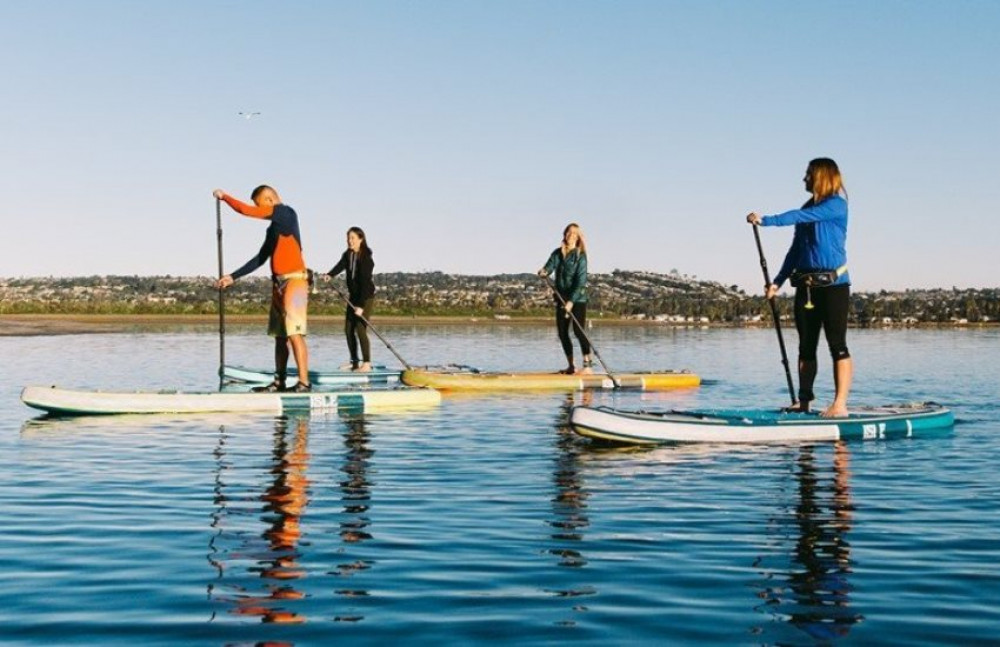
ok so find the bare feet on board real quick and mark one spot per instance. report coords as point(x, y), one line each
point(834, 411)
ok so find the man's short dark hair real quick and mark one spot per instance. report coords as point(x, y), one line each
point(259, 190)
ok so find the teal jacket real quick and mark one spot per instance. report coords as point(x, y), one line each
point(571, 274)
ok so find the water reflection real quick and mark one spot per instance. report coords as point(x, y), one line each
point(258, 571)
point(813, 592)
point(569, 503)
point(355, 488)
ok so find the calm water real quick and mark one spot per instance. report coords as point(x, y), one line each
point(487, 519)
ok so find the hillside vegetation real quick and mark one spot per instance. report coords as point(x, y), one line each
point(620, 294)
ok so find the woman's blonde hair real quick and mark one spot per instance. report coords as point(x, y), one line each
point(826, 180)
point(580, 244)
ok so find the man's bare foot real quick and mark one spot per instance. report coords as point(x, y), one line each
point(365, 367)
point(586, 370)
point(349, 366)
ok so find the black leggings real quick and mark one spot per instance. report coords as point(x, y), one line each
point(356, 331)
point(562, 326)
point(829, 313)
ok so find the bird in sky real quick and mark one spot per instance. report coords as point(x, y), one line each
point(248, 115)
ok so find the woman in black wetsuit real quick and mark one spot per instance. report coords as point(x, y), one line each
point(358, 265)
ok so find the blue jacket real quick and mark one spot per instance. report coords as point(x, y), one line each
point(571, 274)
point(820, 238)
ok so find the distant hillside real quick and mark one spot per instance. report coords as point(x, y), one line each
point(666, 297)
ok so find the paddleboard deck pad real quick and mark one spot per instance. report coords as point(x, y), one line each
point(464, 378)
point(758, 425)
point(68, 402)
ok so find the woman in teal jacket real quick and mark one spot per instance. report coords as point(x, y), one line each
point(569, 262)
point(816, 263)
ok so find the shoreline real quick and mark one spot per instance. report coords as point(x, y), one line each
point(28, 325)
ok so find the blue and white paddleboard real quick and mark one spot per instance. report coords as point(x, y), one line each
point(758, 425)
point(378, 375)
point(69, 402)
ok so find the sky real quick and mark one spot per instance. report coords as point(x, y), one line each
point(463, 135)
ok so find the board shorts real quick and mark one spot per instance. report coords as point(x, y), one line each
point(289, 305)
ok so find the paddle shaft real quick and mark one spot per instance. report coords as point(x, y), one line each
point(774, 315)
point(593, 349)
point(222, 298)
point(347, 300)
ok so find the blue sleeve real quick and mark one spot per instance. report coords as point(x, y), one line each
point(833, 208)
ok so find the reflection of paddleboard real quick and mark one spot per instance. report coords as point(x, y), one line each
point(378, 375)
point(68, 402)
point(758, 425)
point(466, 379)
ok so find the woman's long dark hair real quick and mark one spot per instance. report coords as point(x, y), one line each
point(365, 250)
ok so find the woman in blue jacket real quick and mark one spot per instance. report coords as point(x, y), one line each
point(816, 264)
point(569, 262)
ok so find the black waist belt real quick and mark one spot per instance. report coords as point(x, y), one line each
point(817, 278)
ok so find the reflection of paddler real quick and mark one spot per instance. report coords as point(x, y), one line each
point(812, 591)
point(822, 588)
point(570, 500)
point(356, 488)
point(287, 498)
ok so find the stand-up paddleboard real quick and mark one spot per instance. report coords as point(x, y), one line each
point(67, 402)
point(468, 379)
point(378, 375)
point(758, 425)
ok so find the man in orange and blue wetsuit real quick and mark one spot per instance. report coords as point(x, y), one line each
point(290, 279)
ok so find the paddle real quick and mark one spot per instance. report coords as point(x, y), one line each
point(222, 298)
point(774, 315)
point(347, 300)
point(570, 315)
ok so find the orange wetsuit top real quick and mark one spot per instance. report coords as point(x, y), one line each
point(282, 243)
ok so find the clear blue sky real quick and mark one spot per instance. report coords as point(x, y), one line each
point(463, 135)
